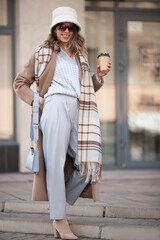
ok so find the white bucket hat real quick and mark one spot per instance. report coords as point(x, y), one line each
point(64, 14)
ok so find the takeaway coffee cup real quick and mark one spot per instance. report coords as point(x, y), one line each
point(103, 60)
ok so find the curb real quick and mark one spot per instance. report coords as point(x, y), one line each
point(88, 210)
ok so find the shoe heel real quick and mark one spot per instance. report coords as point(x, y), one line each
point(56, 233)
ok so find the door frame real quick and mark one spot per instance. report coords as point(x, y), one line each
point(123, 153)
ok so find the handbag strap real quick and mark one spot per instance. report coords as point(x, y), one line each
point(35, 119)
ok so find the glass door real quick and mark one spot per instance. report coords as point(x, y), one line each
point(139, 67)
point(98, 24)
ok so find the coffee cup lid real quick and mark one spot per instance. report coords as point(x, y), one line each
point(103, 54)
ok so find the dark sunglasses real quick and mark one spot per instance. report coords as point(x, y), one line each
point(63, 27)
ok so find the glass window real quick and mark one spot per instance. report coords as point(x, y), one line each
point(3, 13)
point(100, 38)
point(6, 89)
point(139, 4)
point(103, 3)
point(144, 90)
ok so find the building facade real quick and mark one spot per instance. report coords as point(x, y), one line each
point(129, 101)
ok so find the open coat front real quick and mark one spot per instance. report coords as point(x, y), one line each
point(22, 84)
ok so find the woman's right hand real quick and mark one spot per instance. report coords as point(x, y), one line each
point(41, 103)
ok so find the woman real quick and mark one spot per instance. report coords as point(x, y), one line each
point(69, 123)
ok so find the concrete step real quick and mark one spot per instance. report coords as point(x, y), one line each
point(88, 210)
point(89, 227)
point(25, 236)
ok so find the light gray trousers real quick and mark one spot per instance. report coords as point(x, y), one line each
point(59, 125)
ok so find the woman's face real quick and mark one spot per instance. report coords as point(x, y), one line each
point(65, 32)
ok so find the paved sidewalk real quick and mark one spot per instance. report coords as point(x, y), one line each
point(140, 188)
point(120, 188)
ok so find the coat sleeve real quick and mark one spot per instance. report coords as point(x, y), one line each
point(24, 80)
point(97, 84)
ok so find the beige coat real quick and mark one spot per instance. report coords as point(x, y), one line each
point(21, 85)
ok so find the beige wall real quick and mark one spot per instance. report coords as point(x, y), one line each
point(33, 19)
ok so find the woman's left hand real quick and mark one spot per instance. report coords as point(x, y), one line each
point(102, 73)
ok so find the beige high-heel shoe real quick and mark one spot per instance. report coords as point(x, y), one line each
point(61, 229)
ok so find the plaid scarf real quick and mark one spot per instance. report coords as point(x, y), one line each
point(89, 137)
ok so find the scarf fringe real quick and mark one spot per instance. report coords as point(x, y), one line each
point(92, 170)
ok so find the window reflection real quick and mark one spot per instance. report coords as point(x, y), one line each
point(144, 90)
point(3, 12)
point(99, 3)
point(6, 90)
point(100, 24)
point(139, 4)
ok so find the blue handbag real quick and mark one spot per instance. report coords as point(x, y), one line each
point(32, 162)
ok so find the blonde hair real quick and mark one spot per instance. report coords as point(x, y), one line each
point(75, 45)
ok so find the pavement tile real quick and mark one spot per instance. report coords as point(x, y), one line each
point(136, 188)
point(118, 187)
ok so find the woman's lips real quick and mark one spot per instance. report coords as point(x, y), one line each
point(66, 36)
